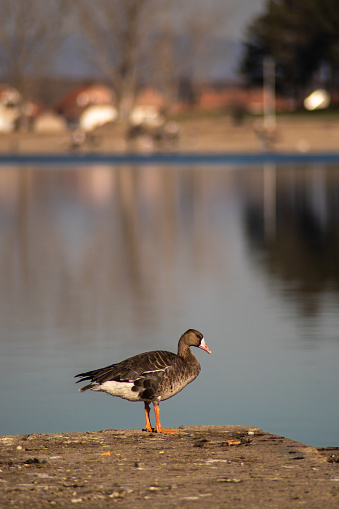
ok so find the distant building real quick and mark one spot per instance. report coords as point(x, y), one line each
point(14, 113)
point(9, 96)
point(232, 97)
point(88, 107)
point(148, 107)
point(49, 122)
point(10, 100)
point(96, 116)
point(73, 104)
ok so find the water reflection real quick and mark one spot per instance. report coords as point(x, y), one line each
point(108, 240)
point(296, 232)
point(97, 264)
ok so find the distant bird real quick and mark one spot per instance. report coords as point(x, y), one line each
point(150, 377)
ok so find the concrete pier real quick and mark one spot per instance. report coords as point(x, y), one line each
point(199, 467)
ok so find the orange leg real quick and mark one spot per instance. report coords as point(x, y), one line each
point(158, 427)
point(148, 426)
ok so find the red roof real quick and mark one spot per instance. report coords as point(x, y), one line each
point(73, 104)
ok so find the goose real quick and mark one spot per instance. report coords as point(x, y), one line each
point(150, 377)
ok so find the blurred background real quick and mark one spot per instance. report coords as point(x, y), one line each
point(161, 74)
point(100, 262)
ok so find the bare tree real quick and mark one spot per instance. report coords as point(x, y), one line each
point(158, 42)
point(118, 32)
point(30, 36)
point(163, 69)
point(198, 27)
point(183, 48)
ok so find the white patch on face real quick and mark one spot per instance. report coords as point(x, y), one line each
point(119, 389)
point(203, 346)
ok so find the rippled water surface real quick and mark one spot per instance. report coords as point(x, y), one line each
point(100, 263)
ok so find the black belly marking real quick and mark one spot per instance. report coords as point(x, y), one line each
point(147, 394)
point(146, 387)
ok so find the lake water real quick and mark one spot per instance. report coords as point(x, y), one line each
point(100, 263)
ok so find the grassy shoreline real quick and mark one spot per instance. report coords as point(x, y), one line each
point(204, 133)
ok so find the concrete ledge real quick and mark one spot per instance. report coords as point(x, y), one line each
point(203, 466)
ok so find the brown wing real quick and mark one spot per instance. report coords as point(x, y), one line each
point(149, 364)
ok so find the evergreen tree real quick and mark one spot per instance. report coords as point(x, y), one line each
point(301, 36)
